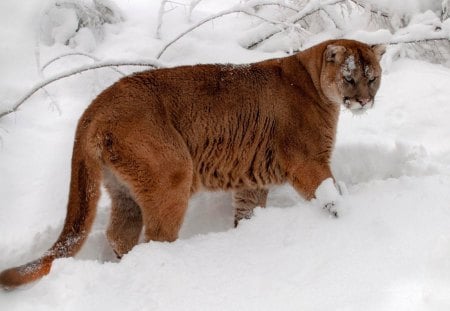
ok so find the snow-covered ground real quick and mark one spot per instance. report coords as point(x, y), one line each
point(389, 250)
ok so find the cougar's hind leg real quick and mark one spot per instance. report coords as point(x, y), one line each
point(164, 210)
point(162, 193)
point(244, 201)
point(125, 223)
point(158, 174)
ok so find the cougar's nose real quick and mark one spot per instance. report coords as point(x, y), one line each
point(363, 101)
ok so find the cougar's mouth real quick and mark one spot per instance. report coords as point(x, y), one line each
point(356, 106)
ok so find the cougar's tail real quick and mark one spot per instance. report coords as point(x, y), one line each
point(83, 197)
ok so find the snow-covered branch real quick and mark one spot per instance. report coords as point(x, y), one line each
point(423, 31)
point(409, 39)
point(414, 40)
point(260, 3)
point(42, 84)
point(69, 21)
point(363, 4)
point(77, 54)
point(339, 19)
point(248, 9)
point(310, 8)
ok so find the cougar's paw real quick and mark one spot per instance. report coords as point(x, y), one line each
point(118, 255)
point(327, 197)
point(332, 209)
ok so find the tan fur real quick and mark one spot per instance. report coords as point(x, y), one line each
point(156, 137)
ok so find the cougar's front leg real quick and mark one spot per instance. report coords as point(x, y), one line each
point(244, 201)
point(313, 180)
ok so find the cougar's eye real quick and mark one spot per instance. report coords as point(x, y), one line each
point(349, 80)
point(372, 80)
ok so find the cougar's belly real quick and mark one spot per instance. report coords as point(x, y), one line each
point(235, 168)
point(231, 148)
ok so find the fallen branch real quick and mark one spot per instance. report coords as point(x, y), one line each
point(42, 84)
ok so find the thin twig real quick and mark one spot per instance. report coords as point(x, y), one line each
point(412, 41)
point(328, 14)
point(37, 56)
point(177, 3)
point(40, 85)
point(245, 9)
point(253, 4)
point(365, 6)
point(310, 9)
point(192, 6)
point(160, 17)
point(422, 40)
point(78, 54)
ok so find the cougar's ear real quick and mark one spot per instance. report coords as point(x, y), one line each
point(334, 53)
point(378, 50)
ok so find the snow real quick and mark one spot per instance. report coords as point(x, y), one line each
point(407, 6)
point(349, 66)
point(327, 197)
point(389, 250)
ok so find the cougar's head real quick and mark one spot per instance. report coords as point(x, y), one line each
point(351, 74)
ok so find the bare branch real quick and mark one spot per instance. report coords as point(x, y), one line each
point(192, 6)
point(245, 9)
point(256, 3)
point(314, 7)
point(160, 17)
point(251, 4)
point(420, 40)
point(78, 54)
point(330, 17)
point(364, 5)
point(311, 8)
point(445, 11)
point(37, 56)
point(42, 84)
